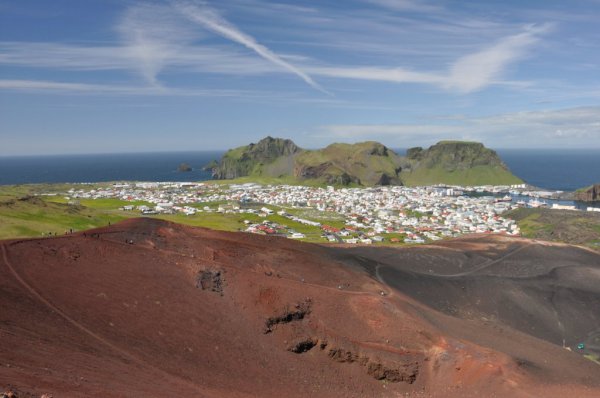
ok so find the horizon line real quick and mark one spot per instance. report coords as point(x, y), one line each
point(175, 151)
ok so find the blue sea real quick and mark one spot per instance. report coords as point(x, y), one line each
point(564, 170)
point(160, 166)
point(555, 169)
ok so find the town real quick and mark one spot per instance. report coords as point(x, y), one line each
point(391, 214)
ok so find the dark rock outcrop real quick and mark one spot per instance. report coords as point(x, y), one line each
point(183, 167)
point(211, 166)
point(591, 194)
point(414, 153)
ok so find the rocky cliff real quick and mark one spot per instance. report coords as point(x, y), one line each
point(255, 159)
point(590, 194)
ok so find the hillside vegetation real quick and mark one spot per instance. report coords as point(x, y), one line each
point(270, 156)
point(367, 164)
point(568, 226)
point(588, 194)
point(23, 215)
point(456, 162)
point(31, 216)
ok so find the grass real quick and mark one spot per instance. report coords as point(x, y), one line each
point(448, 142)
point(593, 357)
point(30, 218)
point(217, 221)
point(414, 213)
point(576, 227)
point(478, 175)
point(235, 222)
point(530, 226)
point(353, 159)
point(99, 204)
point(22, 215)
point(236, 153)
point(583, 189)
point(266, 180)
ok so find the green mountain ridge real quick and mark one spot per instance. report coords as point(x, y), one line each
point(367, 163)
point(456, 162)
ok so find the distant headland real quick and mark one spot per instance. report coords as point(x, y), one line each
point(367, 164)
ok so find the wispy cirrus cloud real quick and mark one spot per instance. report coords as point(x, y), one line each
point(554, 128)
point(46, 85)
point(68, 57)
point(468, 73)
point(161, 38)
point(152, 36)
point(406, 5)
point(41, 86)
point(475, 71)
point(70, 88)
point(211, 20)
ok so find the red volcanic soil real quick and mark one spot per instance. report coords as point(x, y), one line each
point(147, 308)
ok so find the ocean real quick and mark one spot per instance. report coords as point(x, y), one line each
point(564, 170)
point(160, 166)
point(556, 169)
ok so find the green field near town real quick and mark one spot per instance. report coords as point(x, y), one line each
point(24, 213)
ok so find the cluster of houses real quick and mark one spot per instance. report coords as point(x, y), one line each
point(370, 215)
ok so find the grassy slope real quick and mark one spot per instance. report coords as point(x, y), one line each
point(32, 218)
point(478, 175)
point(458, 163)
point(353, 159)
point(576, 227)
point(356, 161)
point(284, 180)
point(583, 189)
point(51, 214)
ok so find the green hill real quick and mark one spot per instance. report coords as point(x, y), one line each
point(456, 162)
point(367, 163)
point(270, 157)
point(568, 226)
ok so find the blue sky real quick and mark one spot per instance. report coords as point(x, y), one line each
point(85, 76)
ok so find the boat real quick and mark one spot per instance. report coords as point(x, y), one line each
point(537, 203)
point(505, 198)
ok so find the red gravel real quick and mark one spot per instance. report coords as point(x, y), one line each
point(147, 308)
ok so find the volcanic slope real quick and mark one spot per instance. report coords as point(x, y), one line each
point(550, 291)
point(149, 308)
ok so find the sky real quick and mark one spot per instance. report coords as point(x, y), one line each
point(103, 76)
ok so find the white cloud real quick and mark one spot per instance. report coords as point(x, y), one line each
point(44, 85)
point(214, 59)
point(475, 71)
point(547, 128)
point(152, 35)
point(405, 5)
point(113, 89)
point(394, 75)
point(469, 73)
point(211, 20)
point(157, 38)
